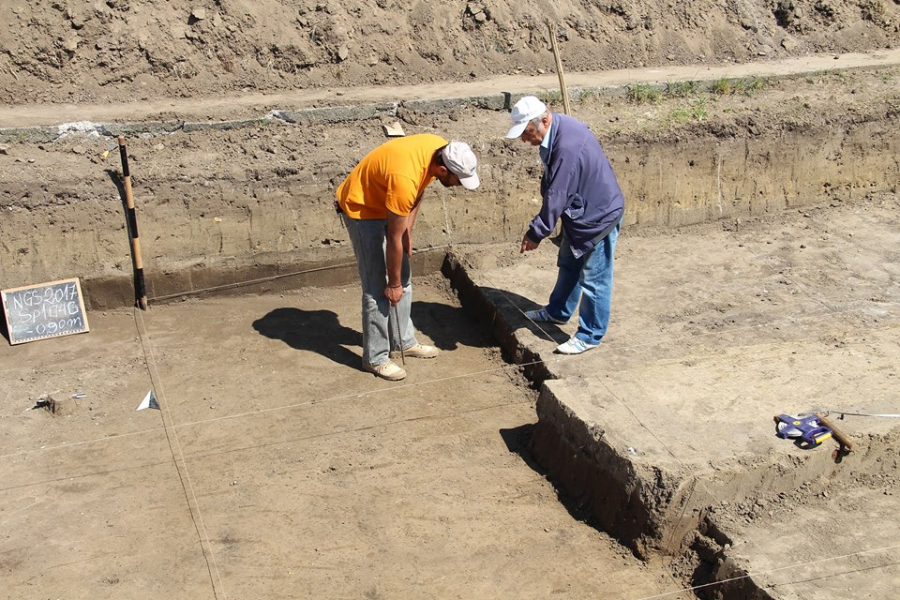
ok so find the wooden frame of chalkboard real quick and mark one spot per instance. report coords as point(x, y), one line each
point(44, 310)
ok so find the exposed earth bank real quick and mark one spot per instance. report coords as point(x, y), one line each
point(221, 207)
point(74, 51)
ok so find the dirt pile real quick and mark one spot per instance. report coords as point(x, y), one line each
point(116, 50)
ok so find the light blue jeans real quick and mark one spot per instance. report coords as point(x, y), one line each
point(589, 278)
point(379, 331)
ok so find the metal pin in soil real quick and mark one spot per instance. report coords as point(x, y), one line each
point(399, 339)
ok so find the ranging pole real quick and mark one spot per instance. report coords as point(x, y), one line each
point(559, 69)
point(140, 289)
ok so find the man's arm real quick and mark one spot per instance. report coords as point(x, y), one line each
point(407, 237)
point(555, 191)
point(415, 210)
point(397, 230)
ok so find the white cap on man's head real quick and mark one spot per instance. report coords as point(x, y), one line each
point(461, 161)
point(523, 111)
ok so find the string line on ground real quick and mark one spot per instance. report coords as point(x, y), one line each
point(775, 570)
point(315, 401)
point(249, 282)
point(373, 391)
point(324, 435)
point(179, 459)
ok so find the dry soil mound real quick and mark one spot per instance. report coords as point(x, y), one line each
point(114, 50)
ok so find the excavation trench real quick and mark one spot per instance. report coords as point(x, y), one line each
point(665, 433)
point(758, 238)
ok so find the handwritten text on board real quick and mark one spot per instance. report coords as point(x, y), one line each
point(44, 310)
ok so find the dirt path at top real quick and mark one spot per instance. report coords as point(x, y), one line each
point(227, 107)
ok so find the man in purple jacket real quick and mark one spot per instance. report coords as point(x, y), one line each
point(579, 187)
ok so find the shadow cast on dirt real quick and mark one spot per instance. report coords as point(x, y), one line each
point(320, 331)
point(441, 323)
point(518, 440)
point(317, 331)
point(513, 307)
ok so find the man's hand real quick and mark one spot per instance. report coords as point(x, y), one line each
point(393, 294)
point(527, 244)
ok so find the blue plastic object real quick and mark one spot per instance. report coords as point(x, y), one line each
point(808, 429)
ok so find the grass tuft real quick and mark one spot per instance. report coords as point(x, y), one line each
point(747, 86)
point(587, 94)
point(643, 93)
point(681, 89)
point(551, 97)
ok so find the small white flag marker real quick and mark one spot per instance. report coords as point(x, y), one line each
point(149, 401)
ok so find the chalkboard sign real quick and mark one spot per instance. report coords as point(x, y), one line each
point(44, 310)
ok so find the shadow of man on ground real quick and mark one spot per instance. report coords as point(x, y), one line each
point(314, 331)
point(519, 441)
point(449, 326)
point(512, 307)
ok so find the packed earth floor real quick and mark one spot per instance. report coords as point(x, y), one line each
point(276, 468)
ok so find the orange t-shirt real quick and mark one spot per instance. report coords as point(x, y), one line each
point(389, 178)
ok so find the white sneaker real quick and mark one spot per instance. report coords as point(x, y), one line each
point(575, 346)
point(421, 351)
point(386, 370)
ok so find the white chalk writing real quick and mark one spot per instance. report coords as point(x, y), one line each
point(44, 311)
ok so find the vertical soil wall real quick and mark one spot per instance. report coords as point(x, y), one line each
point(222, 225)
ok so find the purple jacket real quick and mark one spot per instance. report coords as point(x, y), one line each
point(578, 185)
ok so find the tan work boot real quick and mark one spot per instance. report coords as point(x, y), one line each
point(386, 370)
point(421, 351)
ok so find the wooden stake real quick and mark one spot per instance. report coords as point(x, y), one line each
point(559, 69)
point(140, 289)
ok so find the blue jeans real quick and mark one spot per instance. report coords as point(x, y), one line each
point(379, 331)
point(589, 278)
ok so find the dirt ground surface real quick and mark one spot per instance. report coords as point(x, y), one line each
point(76, 118)
point(278, 469)
point(718, 328)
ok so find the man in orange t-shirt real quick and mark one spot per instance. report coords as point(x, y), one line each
point(379, 202)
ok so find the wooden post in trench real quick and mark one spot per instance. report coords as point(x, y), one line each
point(140, 289)
point(559, 69)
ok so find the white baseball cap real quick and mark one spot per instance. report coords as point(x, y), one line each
point(523, 111)
point(460, 159)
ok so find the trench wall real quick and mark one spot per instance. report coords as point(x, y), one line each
point(229, 234)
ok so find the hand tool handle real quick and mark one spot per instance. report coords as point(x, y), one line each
point(396, 320)
point(842, 438)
